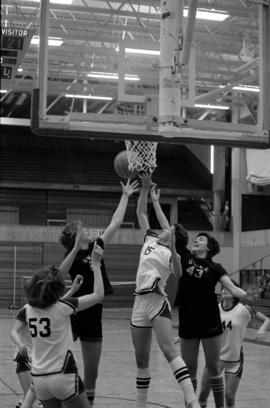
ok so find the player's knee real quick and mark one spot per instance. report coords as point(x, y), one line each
point(229, 399)
point(169, 351)
point(213, 369)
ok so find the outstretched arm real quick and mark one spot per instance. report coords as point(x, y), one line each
point(265, 323)
point(76, 284)
point(66, 264)
point(175, 258)
point(97, 296)
point(248, 296)
point(118, 216)
point(142, 202)
point(155, 195)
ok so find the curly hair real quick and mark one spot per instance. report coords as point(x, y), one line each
point(68, 234)
point(44, 288)
point(212, 244)
point(181, 237)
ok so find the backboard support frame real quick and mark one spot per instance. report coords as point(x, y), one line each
point(190, 131)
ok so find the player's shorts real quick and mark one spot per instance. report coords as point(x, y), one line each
point(234, 368)
point(147, 308)
point(198, 327)
point(23, 363)
point(60, 386)
point(87, 324)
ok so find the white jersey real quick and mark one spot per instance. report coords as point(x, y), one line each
point(234, 324)
point(51, 334)
point(154, 266)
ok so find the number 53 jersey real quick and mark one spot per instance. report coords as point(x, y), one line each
point(52, 341)
point(234, 324)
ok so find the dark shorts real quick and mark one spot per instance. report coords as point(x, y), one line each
point(198, 328)
point(87, 324)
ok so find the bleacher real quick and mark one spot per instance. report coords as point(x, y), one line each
point(24, 258)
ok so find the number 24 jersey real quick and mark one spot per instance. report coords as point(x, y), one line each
point(234, 324)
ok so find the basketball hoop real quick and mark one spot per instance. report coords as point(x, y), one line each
point(141, 155)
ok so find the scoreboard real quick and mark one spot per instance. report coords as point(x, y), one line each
point(14, 44)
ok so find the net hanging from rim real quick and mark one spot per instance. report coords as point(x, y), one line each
point(141, 155)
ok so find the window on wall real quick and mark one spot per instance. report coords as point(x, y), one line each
point(255, 212)
point(153, 221)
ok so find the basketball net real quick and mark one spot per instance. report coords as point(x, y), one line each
point(141, 155)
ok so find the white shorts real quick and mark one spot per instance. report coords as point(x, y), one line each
point(60, 386)
point(147, 308)
point(234, 368)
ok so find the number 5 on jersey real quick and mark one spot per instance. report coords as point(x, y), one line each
point(40, 327)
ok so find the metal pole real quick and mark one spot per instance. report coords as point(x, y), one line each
point(14, 306)
point(171, 39)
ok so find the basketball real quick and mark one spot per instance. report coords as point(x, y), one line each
point(121, 166)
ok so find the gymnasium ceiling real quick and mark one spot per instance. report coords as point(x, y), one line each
point(90, 34)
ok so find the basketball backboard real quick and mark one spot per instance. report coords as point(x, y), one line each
point(102, 79)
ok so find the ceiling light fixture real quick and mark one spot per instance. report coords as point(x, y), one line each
point(101, 98)
point(3, 91)
point(221, 107)
point(246, 88)
point(139, 51)
point(111, 75)
point(212, 15)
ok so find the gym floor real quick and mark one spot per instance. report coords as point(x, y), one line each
point(116, 382)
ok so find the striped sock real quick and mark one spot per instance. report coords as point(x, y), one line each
point(217, 386)
point(90, 396)
point(142, 386)
point(181, 374)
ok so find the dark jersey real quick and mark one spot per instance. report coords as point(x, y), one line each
point(87, 324)
point(82, 266)
point(198, 307)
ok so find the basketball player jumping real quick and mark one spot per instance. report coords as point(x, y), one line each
point(158, 259)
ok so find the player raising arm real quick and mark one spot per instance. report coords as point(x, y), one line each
point(158, 259)
point(78, 244)
point(47, 315)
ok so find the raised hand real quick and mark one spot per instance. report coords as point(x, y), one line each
point(155, 192)
point(77, 283)
point(146, 179)
point(97, 253)
point(130, 188)
point(78, 238)
point(172, 239)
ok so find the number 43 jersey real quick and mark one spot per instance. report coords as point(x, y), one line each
point(51, 334)
point(234, 324)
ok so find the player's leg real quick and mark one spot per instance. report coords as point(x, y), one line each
point(211, 347)
point(164, 332)
point(205, 389)
point(190, 351)
point(232, 384)
point(30, 397)
point(91, 352)
point(142, 338)
point(233, 377)
point(24, 376)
